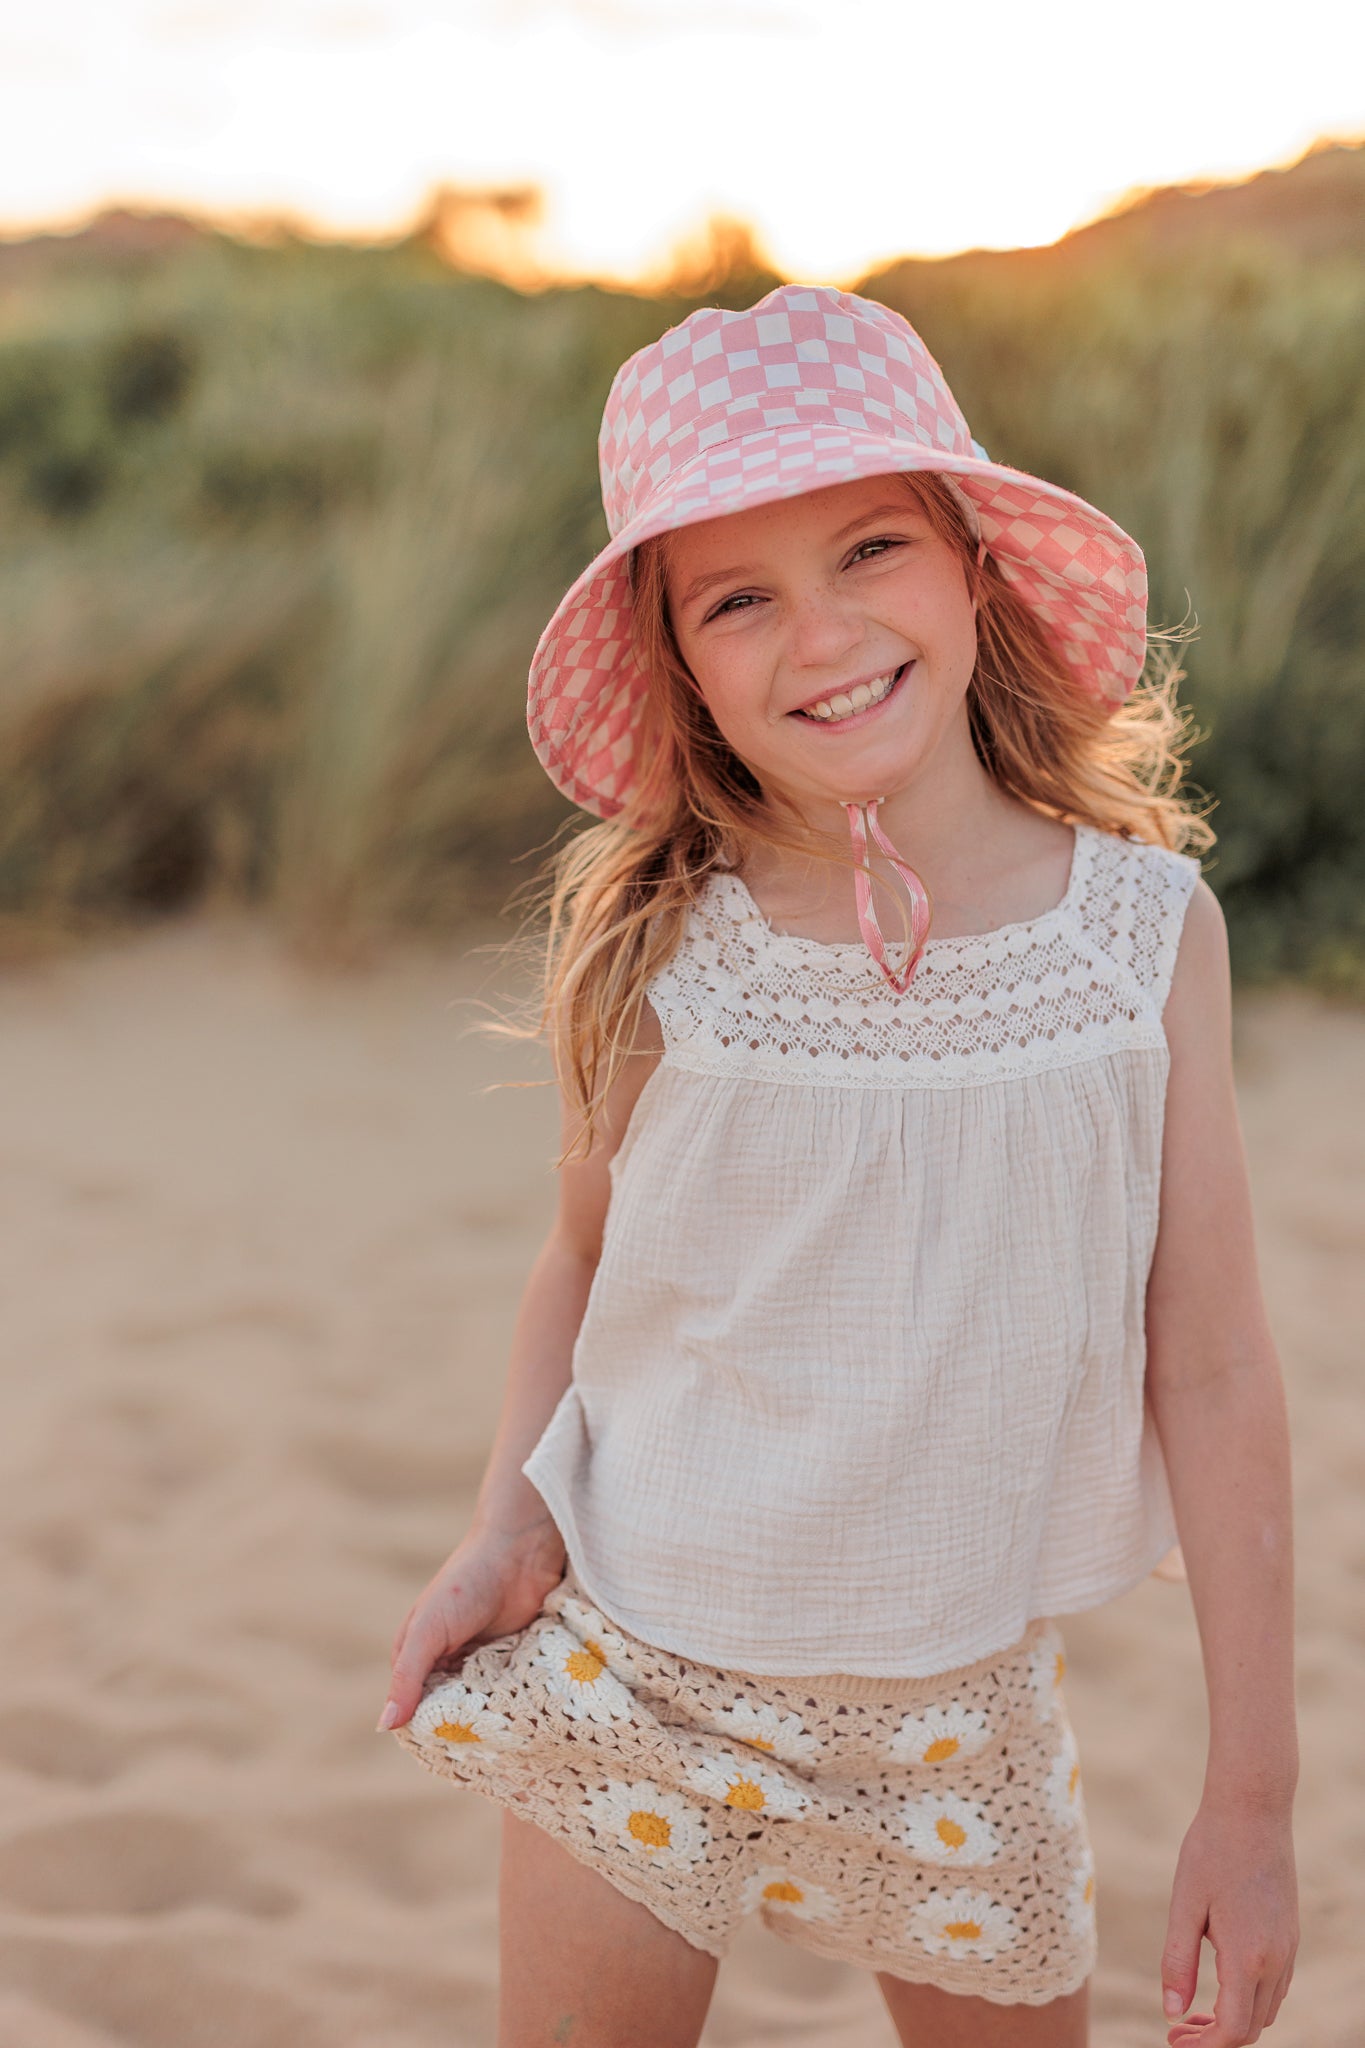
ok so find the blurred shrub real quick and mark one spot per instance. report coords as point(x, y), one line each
point(1218, 414)
point(148, 376)
point(285, 523)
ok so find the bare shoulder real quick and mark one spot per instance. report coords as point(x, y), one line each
point(1204, 1304)
point(1198, 1013)
point(585, 1175)
point(642, 1056)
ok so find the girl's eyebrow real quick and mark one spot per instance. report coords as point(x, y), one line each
point(701, 584)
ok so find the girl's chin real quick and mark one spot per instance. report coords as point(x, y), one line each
point(857, 782)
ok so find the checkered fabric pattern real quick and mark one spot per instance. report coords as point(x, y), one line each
point(808, 388)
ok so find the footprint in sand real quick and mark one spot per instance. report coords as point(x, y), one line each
point(389, 1475)
point(150, 1990)
point(49, 1744)
point(405, 1850)
point(60, 1544)
point(130, 1862)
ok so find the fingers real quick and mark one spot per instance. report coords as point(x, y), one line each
point(1232, 2010)
point(1277, 1995)
point(421, 1646)
point(1180, 1957)
point(1240, 2012)
point(1246, 2005)
point(400, 1632)
point(433, 1629)
point(1192, 2031)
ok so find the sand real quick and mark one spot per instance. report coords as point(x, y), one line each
point(262, 1242)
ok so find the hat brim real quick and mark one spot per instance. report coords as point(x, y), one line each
point(1080, 573)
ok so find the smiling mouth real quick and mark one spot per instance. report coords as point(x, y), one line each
point(841, 707)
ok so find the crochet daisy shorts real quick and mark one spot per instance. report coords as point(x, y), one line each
point(933, 1828)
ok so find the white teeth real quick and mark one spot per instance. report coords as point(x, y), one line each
point(844, 704)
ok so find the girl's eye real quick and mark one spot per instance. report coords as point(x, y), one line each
point(743, 598)
point(866, 550)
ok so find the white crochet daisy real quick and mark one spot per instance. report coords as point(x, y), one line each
point(655, 1826)
point(456, 1717)
point(597, 1634)
point(1064, 1781)
point(940, 1733)
point(1046, 1670)
point(963, 1923)
point(785, 1891)
point(752, 1787)
point(763, 1727)
point(577, 1677)
point(1080, 1898)
point(945, 1829)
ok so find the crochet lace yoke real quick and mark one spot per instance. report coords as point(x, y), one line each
point(1088, 977)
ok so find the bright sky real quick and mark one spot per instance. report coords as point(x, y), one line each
point(846, 130)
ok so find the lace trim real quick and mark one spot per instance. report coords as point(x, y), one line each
point(1086, 978)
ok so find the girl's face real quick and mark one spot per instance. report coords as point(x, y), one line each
point(832, 637)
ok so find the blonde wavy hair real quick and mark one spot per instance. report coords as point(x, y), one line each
point(608, 910)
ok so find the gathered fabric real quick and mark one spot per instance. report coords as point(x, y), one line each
point(860, 1380)
point(933, 1829)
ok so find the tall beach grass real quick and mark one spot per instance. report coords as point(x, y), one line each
point(283, 523)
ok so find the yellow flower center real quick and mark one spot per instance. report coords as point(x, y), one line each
point(585, 1666)
point(939, 1752)
point(963, 1930)
point(759, 1742)
point(744, 1793)
point(1073, 1781)
point(1089, 1892)
point(783, 1889)
point(650, 1828)
point(457, 1731)
point(950, 1834)
point(1060, 1672)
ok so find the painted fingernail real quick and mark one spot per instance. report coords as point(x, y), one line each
point(388, 1717)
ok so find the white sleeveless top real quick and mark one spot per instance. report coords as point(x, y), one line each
point(859, 1383)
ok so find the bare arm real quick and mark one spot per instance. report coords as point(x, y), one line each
point(554, 1299)
point(495, 1579)
point(1218, 1400)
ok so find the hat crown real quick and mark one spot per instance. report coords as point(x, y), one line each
point(803, 357)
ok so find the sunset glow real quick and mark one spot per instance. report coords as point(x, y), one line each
point(845, 135)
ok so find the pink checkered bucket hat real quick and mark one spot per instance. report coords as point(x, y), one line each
point(809, 387)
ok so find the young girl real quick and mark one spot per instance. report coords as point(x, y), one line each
point(902, 1295)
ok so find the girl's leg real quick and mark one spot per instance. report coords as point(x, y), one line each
point(582, 1965)
point(925, 2017)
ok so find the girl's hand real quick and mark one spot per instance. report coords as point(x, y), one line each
point(491, 1585)
point(1235, 1886)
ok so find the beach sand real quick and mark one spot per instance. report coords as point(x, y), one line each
point(262, 1242)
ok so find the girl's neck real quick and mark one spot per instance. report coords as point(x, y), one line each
point(995, 861)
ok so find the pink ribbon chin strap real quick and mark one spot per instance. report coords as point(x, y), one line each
point(862, 818)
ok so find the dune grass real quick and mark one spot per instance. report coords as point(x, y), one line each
point(283, 524)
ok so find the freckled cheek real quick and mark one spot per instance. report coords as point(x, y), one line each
point(740, 709)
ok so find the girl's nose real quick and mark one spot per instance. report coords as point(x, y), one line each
point(823, 628)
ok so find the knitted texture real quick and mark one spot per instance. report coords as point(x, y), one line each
point(935, 1829)
point(1086, 977)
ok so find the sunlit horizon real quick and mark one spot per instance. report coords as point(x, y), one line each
point(639, 120)
point(521, 256)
